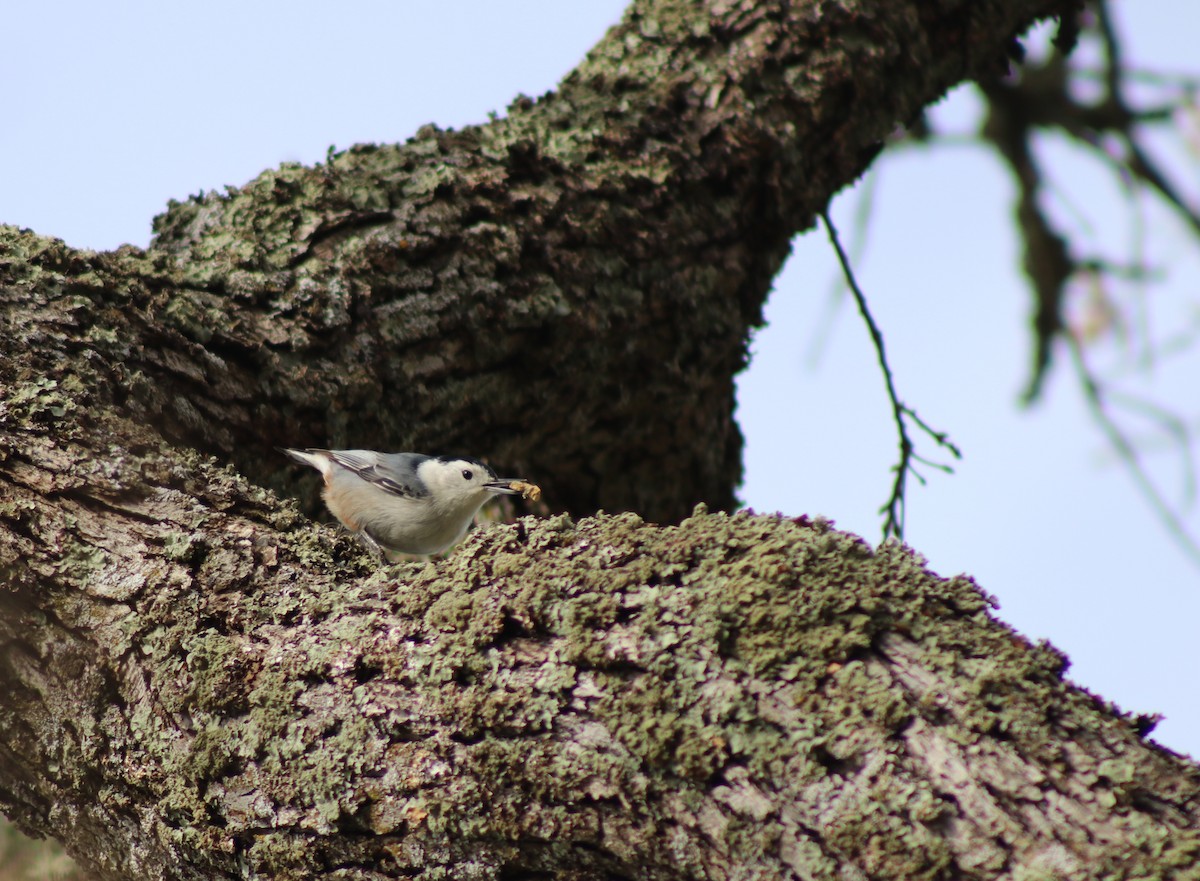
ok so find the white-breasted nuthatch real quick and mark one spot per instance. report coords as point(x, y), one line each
point(404, 503)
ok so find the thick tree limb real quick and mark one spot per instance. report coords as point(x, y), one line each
point(198, 696)
point(568, 289)
point(199, 684)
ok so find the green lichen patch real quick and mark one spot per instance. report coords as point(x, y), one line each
point(732, 678)
point(39, 400)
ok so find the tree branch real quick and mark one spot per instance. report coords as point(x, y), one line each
point(628, 226)
point(893, 509)
point(1128, 454)
point(197, 688)
point(200, 684)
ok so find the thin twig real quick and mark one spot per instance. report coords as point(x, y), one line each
point(1181, 81)
point(1112, 52)
point(1138, 161)
point(863, 212)
point(1093, 394)
point(893, 523)
point(1176, 430)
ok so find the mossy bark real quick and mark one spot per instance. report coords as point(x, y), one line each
point(567, 290)
point(199, 683)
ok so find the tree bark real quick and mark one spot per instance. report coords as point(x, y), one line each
point(567, 290)
point(201, 684)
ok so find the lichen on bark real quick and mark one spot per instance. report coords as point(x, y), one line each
point(604, 696)
point(204, 684)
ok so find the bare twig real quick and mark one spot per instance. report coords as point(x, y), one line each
point(863, 211)
point(1042, 98)
point(1094, 395)
point(893, 523)
point(1183, 82)
point(1138, 161)
point(1176, 430)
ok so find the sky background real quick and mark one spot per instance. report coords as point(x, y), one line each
point(112, 109)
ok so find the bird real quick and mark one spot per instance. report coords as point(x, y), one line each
point(405, 503)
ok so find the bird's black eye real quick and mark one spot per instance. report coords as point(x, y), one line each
point(467, 474)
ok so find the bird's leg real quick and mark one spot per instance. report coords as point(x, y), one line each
point(371, 545)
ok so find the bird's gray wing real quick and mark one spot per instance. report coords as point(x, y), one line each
point(391, 472)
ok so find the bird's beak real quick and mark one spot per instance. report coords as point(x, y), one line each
point(503, 486)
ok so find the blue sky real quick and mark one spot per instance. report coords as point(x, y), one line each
point(113, 109)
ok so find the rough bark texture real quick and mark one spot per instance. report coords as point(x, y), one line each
point(731, 697)
point(198, 683)
point(568, 289)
